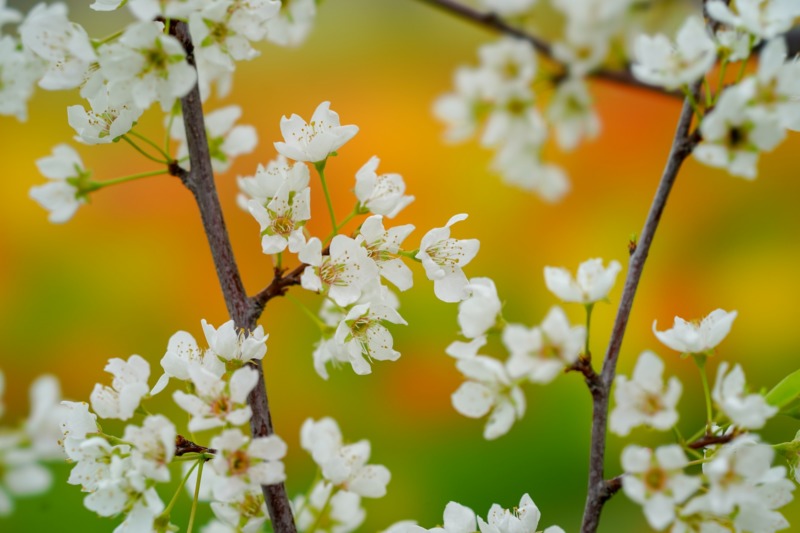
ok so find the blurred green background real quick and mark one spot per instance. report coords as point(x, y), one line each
point(133, 267)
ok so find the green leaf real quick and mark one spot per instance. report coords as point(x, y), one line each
point(784, 392)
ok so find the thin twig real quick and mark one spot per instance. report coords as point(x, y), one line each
point(493, 22)
point(682, 146)
point(710, 440)
point(200, 180)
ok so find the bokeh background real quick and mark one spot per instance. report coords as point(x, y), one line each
point(133, 267)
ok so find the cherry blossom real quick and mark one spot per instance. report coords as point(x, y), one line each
point(345, 271)
point(217, 403)
point(382, 194)
point(644, 399)
point(61, 196)
point(313, 141)
point(478, 313)
point(655, 480)
point(127, 389)
point(443, 257)
point(364, 336)
point(243, 463)
point(382, 247)
point(593, 282)
point(748, 411)
point(691, 337)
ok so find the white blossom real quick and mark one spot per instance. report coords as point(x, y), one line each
point(748, 411)
point(524, 518)
point(281, 204)
point(153, 446)
point(343, 465)
point(571, 114)
point(363, 333)
point(762, 18)
point(144, 66)
point(19, 71)
point(659, 62)
point(541, 353)
point(64, 45)
point(230, 343)
point(443, 257)
point(593, 282)
point(61, 196)
point(127, 389)
point(743, 482)
point(382, 247)
point(691, 337)
point(644, 399)
point(735, 132)
point(103, 123)
point(244, 463)
point(20, 472)
point(343, 512)
point(457, 519)
point(246, 514)
point(316, 140)
point(655, 480)
point(480, 311)
point(183, 353)
point(382, 194)
point(489, 389)
point(217, 402)
point(43, 425)
point(293, 23)
point(345, 271)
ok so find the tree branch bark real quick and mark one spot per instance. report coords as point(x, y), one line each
point(200, 181)
point(598, 490)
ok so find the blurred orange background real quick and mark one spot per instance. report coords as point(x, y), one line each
point(133, 267)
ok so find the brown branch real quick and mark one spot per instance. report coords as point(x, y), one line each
point(584, 366)
point(184, 446)
point(682, 145)
point(200, 181)
point(494, 22)
point(710, 440)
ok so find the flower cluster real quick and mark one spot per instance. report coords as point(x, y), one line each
point(26, 445)
point(737, 487)
point(536, 355)
point(349, 269)
point(524, 518)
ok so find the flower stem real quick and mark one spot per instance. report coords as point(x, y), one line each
point(589, 308)
point(174, 499)
point(196, 496)
point(151, 143)
point(322, 512)
point(700, 361)
point(341, 224)
point(96, 185)
point(320, 166)
point(139, 149)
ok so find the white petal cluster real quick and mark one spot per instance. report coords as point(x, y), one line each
point(644, 399)
point(743, 490)
point(541, 353)
point(343, 466)
point(479, 312)
point(246, 513)
point(381, 194)
point(747, 411)
point(363, 334)
point(281, 203)
point(217, 402)
point(524, 518)
point(344, 272)
point(226, 141)
point(341, 509)
point(313, 141)
point(443, 258)
point(127, 389)
point(382, 247)
point(490, 389)
point(592, 283)
point(19, 72)
point(63, 45)
point(293, 23)
point(103, 123)
point(691, 337)
point(23, 448)
point(243, 464)
point(358, 333)
point(660, 62)
point(761, 18)
point(61, 196)
point(572, 115)
point(145, 66)
point(655, 480)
